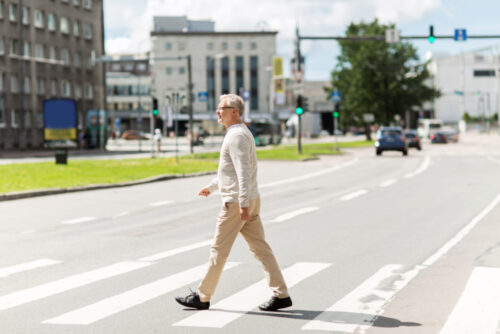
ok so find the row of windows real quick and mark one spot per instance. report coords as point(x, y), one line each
point(181, 46)
point(14, 118)
point(170, 70)
point(127, 90)
point(46, 53)
point(65, 26)
point(48, 87)
point(128, 67)
point(128, 106)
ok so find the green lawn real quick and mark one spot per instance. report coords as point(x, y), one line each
point(43, 175)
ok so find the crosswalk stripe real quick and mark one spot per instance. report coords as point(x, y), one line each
point(175, 251)
point(78, 220)
point(292, 214)
point(388, 183)
point(7, 271)
point(161, 203)
point(364, 303)
point(478, 310)
point(354, 195)
point(68, 283)
point(109, 306)
point(248, 298)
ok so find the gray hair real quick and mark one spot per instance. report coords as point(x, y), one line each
point(234, 101)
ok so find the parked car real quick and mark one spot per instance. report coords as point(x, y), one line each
point(134, 134)
point(391, 139)
point(413, 139)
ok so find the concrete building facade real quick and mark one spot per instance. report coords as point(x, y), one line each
point(46, 51)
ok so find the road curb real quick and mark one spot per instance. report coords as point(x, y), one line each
point(43, 192)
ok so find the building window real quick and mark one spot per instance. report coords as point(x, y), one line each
point(26, 15)
point(53, 87)
point(240, 83)
point(52, 53)
point(2, 76)
point(78, 91)
point(210, 46)
point(168, 46)
point(1, 9)
point(65, 58)
point(26, 49)
point(211, 83)
point(65, 1)
point(2, 47)
point(225, 75)
point(182, 70)
point(13, 49)
point(224, 45)
point(253, 45)
point(39, 119)
point(13, 119)
point(77, 60)
point(14, 84)
point(254, 83)
point(239, 45)
point(484, 73)
point(27, 85)
point(169, 70)
point(2, 114)
point(182, 46)
point(64, 25)
point(40, 86)
point(13, 12)
point(76, 28)
point(117, 67)
point(27, 119)
point(87, 4)
point(39, 51)
point(87, 31)
point(89, 92)
point(129, 67)
point(76, 3)
point(90, 62)
point(141, 67)
point(38, 18)
point(51, 22)
point(66, 88)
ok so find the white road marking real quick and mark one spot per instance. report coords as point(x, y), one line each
point(176, 251)
point(462, 233)
point(292, 214)
point(78, 220)
point(161, 203)
point(388, 183)
point(478, 310)
point(27, 231)
point(121, 214)
point(308, 176)
point(366, 301)
point(45, 290)
point(248, 298)
point(353, 195)
point(4, 272)
point(109, 306)
point(425, 164)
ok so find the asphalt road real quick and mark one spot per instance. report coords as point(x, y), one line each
point(368, 244)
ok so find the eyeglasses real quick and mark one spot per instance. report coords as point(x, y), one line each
point(219, 108)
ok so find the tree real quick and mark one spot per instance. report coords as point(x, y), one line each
point(379, 78)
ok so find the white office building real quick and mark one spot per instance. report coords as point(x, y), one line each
point(238, 62)
point(469, 82)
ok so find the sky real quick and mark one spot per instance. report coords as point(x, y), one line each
point(128, 23)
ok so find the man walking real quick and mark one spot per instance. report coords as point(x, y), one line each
point(237, 182)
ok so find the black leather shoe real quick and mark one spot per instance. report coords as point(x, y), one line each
point(193, 300)
point(275, 304)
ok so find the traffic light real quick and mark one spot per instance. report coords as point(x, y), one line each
point(305, 104)
point(431, 38)
point(155, 106)
point(299, 110)
point(336, 113)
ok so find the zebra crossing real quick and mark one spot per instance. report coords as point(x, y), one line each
point(480, 298)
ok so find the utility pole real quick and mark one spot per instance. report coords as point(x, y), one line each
point(190, 103)
point(22, 131)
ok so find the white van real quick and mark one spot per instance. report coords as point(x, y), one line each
point(428, 125)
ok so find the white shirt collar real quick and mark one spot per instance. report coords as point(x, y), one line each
point(234, 126)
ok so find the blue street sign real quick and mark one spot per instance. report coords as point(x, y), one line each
point(460, 34)
point(203, 96)
point(246, 95)
point(335, 96)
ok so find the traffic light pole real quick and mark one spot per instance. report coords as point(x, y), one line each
point(299, 135)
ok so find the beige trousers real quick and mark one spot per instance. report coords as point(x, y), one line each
point(228, 226)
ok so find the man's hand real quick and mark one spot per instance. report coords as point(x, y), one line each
point(204, 192)
point(244, 214)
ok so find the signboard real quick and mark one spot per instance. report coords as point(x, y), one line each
point(203, 96)
point(392, 36)
point(59, 119)
point(96, 128)
point(335, 96)
point(368, 118)
point(277, 66)
point(460, 34)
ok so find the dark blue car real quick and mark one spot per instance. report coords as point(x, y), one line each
point(391, 139)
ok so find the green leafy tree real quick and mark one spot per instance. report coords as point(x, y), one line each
point(378, 78)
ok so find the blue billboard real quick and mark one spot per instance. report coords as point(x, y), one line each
point(59, 119)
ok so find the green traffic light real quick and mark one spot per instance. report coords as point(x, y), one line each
point(432, 39)
point(336, 114)
point(155, 112)
point(299, 111)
